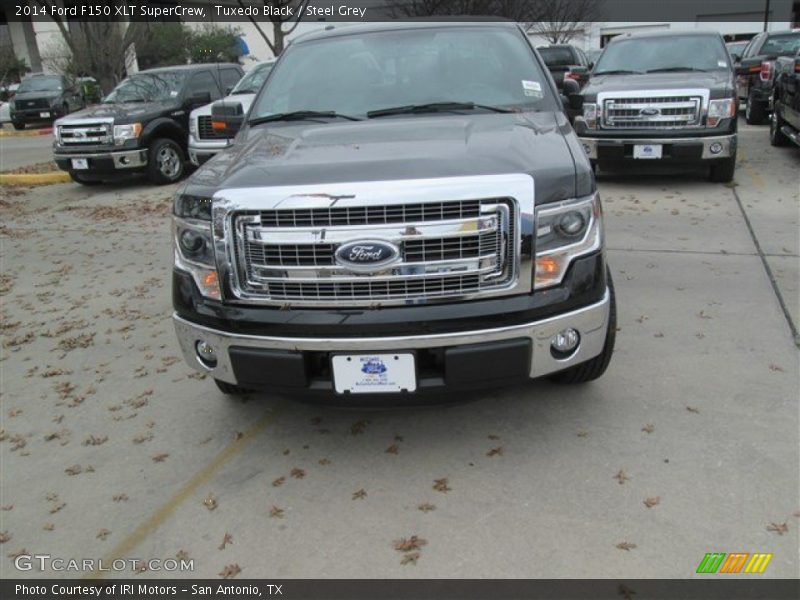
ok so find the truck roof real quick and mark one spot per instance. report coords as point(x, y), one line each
point(664, 33)
point(433, 23)
point(194, 67)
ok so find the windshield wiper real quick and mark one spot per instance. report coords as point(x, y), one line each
point(674, 69)
point(618, 72)
point(434, 107)
point(301, 115)
point(237, 92)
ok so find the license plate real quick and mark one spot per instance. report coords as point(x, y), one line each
point(647, 151)
point(44, 115)
point(80, 163)
point(374, 373)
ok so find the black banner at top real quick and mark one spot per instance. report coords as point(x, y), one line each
point(224, 11)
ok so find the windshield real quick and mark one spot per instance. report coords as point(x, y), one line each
point(148, 87)
point(251, 82)
point(40, 84)
point(644, 54)
point(353, 75)
point(556, 57)
point(781, 45)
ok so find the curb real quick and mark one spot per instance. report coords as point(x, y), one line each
point(24, 133)
point(34, 178)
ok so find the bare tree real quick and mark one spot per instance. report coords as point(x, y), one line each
point(559, 21)
point(285, 16)
point(97, 48)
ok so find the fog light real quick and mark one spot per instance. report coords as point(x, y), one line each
point(715, 148)
point(206, 354)
point(564, 342)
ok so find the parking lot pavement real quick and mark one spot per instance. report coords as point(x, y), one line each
point(112, 447)
point(22, 151)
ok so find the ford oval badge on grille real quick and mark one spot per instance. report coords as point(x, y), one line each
point(650, 112)
point(366, 255)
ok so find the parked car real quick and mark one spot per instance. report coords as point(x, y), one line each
point(756, 69)
point(5, 112)
point(736, 49)
point(141, 126)
point(665, 97)
point(785, 120)
point(204, 140)
point(44, 98)
point(376, 228)
point(566, 62)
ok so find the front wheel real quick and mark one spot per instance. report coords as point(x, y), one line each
point(776, 135)
point(18, 126)
point(595, 367)
point(166, 162)
point(722, 171)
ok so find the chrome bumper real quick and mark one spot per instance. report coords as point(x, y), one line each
point(727, 144)
point(205, 149)
point(590, 321)
point(127, 159)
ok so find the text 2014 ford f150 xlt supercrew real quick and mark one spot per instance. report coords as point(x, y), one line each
point(405, 210)
point(662, 97)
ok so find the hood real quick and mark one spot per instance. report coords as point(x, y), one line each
point(398, 148)
point(719, 82)
point(244, 99)
point(130, 112)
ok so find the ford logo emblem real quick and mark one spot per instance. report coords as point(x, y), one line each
point(650, 112)
point(366, 255)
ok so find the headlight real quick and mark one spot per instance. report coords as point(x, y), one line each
point(565, 231)
point(193, 126)
point(590, 115)
point(192, 207)
point(194, 252)
point(123, 133)
point(720, 109)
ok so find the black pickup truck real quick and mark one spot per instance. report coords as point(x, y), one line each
point(428, 223)
point(663, 98)
point(785, 120)
point(142, 126)
point(755, 70)
point(566, 62)
point(44, 98)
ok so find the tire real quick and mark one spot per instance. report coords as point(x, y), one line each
point(595, 367)
point(18, 126)
point(776, 136)
point(722, 171)
point(755, 111)
point(166, 162)
point(230, 389)
point(83, 180)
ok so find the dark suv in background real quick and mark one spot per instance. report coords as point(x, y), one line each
point(142, 126)
point(566, 62)
point(44, 98)
point(755, 70)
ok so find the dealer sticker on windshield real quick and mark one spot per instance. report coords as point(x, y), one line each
point(374, 373)
point(532, 88)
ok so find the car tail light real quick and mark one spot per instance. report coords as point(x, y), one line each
point(765, 74)
point(571, 75)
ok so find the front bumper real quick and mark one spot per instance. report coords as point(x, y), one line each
point(104, 162)
point(30, 115)
point(301, 364)
point(683, 149)
point(201, 150)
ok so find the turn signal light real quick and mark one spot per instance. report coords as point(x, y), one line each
point(218, 125)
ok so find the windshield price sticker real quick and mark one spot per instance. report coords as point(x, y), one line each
point(532, 88)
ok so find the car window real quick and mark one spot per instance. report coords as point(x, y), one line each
point(203, 82)
point(253, 79)
point(355, 74)
point(583, 60)
point(148, 87)
point(229, 77)
point(642, 54)
point(753, 45)
point(781, 45)
point(556, 56)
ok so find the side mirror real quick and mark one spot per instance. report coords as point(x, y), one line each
point(736, 57)
point(199, 99)
point(591, 65)
point(227, 117)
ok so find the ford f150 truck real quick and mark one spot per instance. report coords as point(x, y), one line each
point(44, 98)
point(204, 140)
point(785, 121)
point(405, 210)
point(141, 126)
point(664, 97)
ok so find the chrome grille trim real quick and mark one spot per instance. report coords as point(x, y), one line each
point(676, 109)
point(475, 251)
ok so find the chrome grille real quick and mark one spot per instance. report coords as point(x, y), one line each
point(447, 250)
point(648, 112)
point(205, 131)
point(93, 133)
point(35, 103)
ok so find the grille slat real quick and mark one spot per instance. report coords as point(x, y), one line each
point(205, 131)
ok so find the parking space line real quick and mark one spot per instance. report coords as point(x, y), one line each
point(161, 514)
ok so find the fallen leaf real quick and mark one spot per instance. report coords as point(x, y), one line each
point(276, 512)
point(230, 571)
point(410, 558)
point(626, 546)
point(358, 427)
point(360, 494)
point(23, 552)
point(492, 436)
point(324, 461)
point(120, 497)
point(440, 485)
point(7, 507)
point(298, 473)
point(4, 537)
point(652, 501)
point(210, 502)
point(393, 449)
point(182, 555)
point(621, 477)
point(774, 367)
point(48, 527)
point(582, 433)
point(278, 482)
point(495, 451)
point(779, 528)
point(649, 428)
point(103, 534)
point(160, 457)
point(426, 507)
point(692, 409)
point(74, 470)
point(227, 539)
point(409, 544)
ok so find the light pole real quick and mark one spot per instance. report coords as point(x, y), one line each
point(766, 15)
